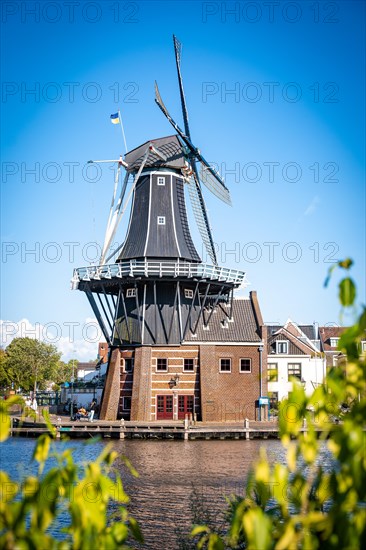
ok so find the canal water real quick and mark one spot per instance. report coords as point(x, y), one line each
point(176, 478)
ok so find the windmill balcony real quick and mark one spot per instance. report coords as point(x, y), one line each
point(157, 269)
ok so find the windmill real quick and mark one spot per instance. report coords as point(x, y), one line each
point(159, 288)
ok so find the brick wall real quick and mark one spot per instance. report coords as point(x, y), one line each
point(141, 390)
point(111, 396)
point(188, 383)
point(229, 396)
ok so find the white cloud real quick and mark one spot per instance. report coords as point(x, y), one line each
point(77, 340)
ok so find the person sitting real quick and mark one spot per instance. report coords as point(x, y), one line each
point(81, 413)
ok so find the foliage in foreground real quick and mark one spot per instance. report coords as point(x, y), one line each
point(29, 510)
point(303, 504)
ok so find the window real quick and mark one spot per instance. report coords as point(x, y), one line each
point(363, 346)
point(294, 369)
point(245, 365)
point(272, 370)
point(282, 346)
point(162, 364)
point(188, 293)
point(334, 342)
point(273, 400)
point(225, 365)
point(189, 365)
point(126, 403)
point(131, 293)
point(161, 180)
point(128, 364)
point(161, 220)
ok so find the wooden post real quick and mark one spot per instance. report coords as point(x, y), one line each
point(186, 428)
point(122, 429)
point(246, 427)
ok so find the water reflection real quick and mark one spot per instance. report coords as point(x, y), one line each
point(169, 472)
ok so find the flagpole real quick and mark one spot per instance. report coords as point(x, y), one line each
point(123, 132)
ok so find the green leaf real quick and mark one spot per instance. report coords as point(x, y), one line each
point(199, 529)
point(215, 542)
point(4, 424)
point(258, 529)
point(347, 292)
point(41, 450)
point(135, 530)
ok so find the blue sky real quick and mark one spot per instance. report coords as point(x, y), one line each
point(275, 95)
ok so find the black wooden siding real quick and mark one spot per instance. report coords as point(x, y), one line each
point(136, 238)
point(158, 319)
point(145, 237)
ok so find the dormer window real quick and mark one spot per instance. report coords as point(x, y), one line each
point(282, 346)
point(334, 342)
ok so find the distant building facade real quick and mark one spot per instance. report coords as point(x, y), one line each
point(294, 351)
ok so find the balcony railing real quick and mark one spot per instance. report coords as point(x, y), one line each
point(155, 268)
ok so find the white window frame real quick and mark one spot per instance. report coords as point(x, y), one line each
point(166, 364)
point(363, 346)
point(188, 293)
point(184, 366)
point(292, 375)
point(334, 341)
point(250, 365)
point(272, 370)
point(131, 293)
point(161, 220)
point(124, 364)
point(225, 359)
point(281, 342)
point(161, 180)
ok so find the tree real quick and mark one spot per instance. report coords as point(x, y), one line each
point(63, 372)
point(31, 363)
point(5, 376)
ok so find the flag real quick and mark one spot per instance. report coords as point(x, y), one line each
point(115, 118)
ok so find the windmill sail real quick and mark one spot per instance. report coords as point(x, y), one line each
point(200, 215)
point(213, 180)
point(160, 103)
point(178, 52)
point(213, 183)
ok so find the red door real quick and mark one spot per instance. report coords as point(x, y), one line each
point(185, 405)
point(164, 409)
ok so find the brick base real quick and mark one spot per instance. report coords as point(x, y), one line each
point(110, 404)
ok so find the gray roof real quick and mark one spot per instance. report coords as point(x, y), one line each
point(169, 146)
point(308, 330)
point(243, 328)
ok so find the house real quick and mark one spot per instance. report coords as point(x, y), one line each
point(83, 369)
point(293, 351)
point(329, 338)
point(217, 374)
